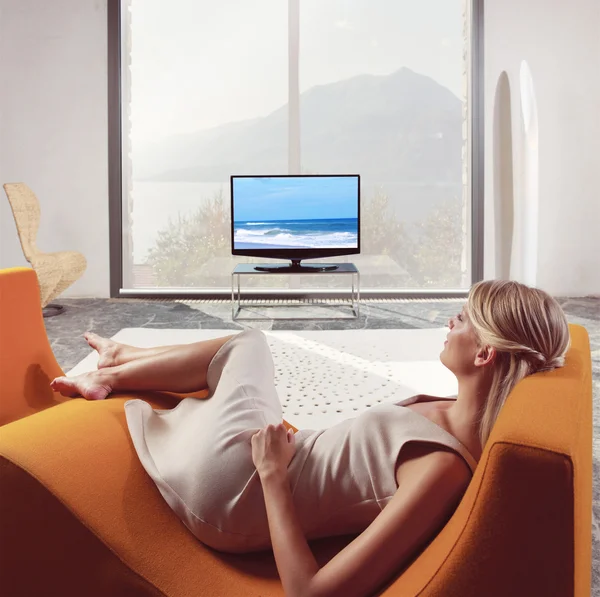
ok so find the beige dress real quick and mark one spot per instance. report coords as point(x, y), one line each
point(199, 454)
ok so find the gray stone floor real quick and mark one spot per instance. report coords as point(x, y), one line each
point(107, 316)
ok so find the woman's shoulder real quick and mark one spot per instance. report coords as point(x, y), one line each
point(418, 457)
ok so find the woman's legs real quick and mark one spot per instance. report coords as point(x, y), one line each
point(179, 369)
point(112, 353)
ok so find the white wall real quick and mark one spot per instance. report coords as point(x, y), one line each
point(561, 43)
point(53, 129)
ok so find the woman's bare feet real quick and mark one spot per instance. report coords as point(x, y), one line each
point(87, 385)
point(108, 349)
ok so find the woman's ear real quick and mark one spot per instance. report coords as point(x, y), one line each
point(485, 355)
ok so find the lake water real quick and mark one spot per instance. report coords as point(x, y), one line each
point(155, 202)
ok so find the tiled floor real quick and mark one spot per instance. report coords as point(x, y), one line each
point(108, 316)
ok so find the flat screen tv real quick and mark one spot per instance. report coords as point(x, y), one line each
point(295, 217)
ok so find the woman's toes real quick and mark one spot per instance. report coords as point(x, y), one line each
point(106, 348)
point(93, 340)
point(65, 386)
point(81, 385)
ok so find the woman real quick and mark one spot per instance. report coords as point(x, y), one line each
point(395, 474)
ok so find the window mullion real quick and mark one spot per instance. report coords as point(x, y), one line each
point(294, 166)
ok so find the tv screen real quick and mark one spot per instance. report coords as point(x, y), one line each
point(295, 217)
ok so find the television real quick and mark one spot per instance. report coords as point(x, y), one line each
point(295, 217)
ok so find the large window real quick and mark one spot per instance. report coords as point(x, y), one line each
point(380, 88)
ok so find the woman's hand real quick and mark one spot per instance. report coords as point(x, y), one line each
point(272, 450)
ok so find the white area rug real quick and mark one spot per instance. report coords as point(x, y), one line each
point(324, 377)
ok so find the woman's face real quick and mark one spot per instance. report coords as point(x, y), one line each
point(461, 346)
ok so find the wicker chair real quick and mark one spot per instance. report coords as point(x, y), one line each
point(55, 271)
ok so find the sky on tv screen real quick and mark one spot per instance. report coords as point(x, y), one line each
point(295, 213)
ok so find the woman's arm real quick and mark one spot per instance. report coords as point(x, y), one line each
point(415, 514)
point(418, 511)
point(272, 450)
point(295, 561)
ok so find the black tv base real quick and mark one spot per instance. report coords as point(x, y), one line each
point(295, 267)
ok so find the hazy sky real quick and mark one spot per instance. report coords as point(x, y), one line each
point(201, 63)
point(258, 199)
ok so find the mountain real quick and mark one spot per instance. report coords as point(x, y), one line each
point(401, 127)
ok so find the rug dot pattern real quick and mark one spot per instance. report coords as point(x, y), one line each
point(323, 381)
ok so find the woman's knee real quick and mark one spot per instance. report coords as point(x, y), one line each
point(256, 333)
point(260, 346)
point(257, 336)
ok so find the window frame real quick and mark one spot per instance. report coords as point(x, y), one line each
point(115, 184)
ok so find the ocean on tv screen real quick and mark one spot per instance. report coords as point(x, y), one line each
point(322, 233)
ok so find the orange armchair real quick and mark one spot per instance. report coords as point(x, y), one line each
point(79, 516)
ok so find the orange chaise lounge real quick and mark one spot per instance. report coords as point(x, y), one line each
point(79, 516)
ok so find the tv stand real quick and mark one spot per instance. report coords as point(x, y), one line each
point(295, 268)
point(242, 269)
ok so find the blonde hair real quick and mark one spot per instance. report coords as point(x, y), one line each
point(529, 331)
